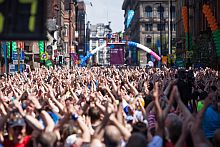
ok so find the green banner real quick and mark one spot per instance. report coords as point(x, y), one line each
point(216, 38)
point(8, 49)
point(48, 63)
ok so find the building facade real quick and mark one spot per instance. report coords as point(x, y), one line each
point(80, 17)
point(149, 26)
point(97, 37)
point(70, 29)
point(202, 45)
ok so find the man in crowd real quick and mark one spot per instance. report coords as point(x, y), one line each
point(110, 107)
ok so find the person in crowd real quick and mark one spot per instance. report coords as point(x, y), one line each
point(110, 107)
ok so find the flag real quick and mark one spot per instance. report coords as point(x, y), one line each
point(130, 17)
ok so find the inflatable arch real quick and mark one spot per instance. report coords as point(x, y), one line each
point(130, 43)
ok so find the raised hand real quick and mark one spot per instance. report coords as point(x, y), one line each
point(35, 101)
point(18, 106)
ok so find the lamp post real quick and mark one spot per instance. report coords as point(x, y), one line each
point(160, 29)
point(70, 36)
point(169, 27)
point(188, 45)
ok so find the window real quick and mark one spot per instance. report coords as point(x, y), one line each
point(94, 42)
point(173, 27)
point(65, 29)
point(93, 34)
point(148, 27)
point(160, 11)
point(173, 11)
point(148, 11)
point(161, 27)
point(66, 47)
point(148, 39)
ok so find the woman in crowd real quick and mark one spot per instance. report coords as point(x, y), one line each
point(112, 107)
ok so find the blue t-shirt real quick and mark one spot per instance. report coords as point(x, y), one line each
point(211, 122)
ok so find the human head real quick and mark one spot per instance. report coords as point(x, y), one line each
point(94, 113)
point(140, 127)
point(137, 140)
point(216, 138)
point(19, 130)
point(112, 136)
point(173, 122)
point(46, 139)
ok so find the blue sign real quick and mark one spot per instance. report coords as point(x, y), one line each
point(15, 55)
point(5, 54)
point(129, 18)
point(21, 67)
point(112, 46)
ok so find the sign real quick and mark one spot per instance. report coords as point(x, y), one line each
point(179, 62)
point(23, 19)
point(11, 68)
point(15, 55)
point(44, 56)
point(117, 54)
point(16, 62)
point(170, 58)
point(189, 54)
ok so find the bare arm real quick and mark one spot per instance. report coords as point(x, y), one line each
point(160, 117)
point(85, 130)
point(48, 121)
point(124, 131)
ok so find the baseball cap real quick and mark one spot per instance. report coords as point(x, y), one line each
point(18, 122)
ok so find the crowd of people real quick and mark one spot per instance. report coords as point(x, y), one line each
point(110, 107)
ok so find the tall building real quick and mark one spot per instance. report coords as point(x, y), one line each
point(70, 28)
point(97, 37)
point(200, 38)
point(56, 22)
point(149, 26)
point(81, 15)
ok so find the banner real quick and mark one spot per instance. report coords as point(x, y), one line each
point(117, 54)
point(129, 18)
point(4, 46)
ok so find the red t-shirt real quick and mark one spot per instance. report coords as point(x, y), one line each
point(10, 143)
point(170, 144)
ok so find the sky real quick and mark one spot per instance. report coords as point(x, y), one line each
point(103, 11)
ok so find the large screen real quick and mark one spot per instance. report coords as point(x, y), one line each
point(23, 19)
point(117, 54)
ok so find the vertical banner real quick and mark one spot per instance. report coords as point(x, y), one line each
point(129, 17)
point(8, 49)
point(5, 55)
point(117, 54)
